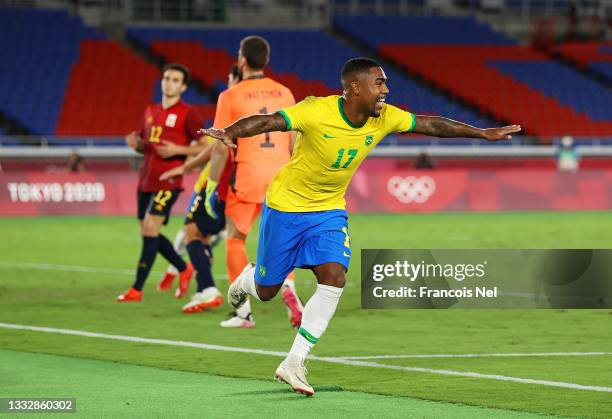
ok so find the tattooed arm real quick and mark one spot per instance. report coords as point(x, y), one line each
point(247, 127)
point(437, 126)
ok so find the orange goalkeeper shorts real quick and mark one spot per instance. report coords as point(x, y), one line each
point(243, 214)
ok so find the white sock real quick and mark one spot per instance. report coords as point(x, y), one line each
point(180, 247)
point(289, 282)
point(246, 282)
point(245, 310)
point(317, 313)
point(179, 242)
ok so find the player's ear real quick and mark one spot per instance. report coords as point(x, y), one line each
point(183, 88)
point(242, 62)
point(354, 86)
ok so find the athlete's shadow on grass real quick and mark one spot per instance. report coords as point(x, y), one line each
point(286, 390)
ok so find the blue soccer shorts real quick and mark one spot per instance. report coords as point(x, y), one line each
point(289, 240)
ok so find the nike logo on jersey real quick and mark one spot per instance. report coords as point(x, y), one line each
point(328, 136)
point(346, 254)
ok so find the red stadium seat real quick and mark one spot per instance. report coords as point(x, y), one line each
point(463, 71)
point(108, 91)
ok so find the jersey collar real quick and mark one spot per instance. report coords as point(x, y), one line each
point(343, 115)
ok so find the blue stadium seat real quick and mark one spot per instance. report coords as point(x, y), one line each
point(430, 30)
point(39, 48)
point(190, 96)
point(564, 84)
point(604, 68)
point(320, 57)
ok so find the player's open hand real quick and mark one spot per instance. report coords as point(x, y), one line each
point(167, 149)
point(169, 174)
point(219, 134)
point(501, 133)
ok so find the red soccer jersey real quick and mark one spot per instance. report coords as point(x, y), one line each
point(178, 124)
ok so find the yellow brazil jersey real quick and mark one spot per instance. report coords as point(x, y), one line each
point(327, 153)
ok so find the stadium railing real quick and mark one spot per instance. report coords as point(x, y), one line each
point(12, 147)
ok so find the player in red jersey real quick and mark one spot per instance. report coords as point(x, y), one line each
point(171, 121)
point(200, 226)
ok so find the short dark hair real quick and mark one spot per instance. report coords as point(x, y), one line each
point(357, 65)
point(179, 67)
point(256, 50)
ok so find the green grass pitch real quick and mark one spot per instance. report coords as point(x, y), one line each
point(65, 272)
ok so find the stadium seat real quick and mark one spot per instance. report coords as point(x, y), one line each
point(313, 71)
point(516, 84)
point(108, 91)
point(594, 55)
point(39, 47)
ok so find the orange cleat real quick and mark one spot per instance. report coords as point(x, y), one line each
point(207, 299)
point(184, 278)
point(166, 283)
point(130, 296)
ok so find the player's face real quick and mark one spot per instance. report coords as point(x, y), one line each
point(172, 83)
point(373, 90)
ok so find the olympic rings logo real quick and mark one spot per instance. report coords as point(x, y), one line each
point(411, 189)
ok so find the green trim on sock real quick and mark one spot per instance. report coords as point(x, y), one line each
point(306, 334)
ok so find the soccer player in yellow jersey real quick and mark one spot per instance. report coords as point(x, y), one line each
point(304, 222)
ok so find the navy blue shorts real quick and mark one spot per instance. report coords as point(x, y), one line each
point(289, 240)
point(157, 203)
point(197, 214)
point(192, 200)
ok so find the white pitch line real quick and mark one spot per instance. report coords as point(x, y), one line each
point(485, 355)
point(67, 268)
point(77, 268)
point(339, 361)
point(113, 271)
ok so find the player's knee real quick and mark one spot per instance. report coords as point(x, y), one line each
point(333, 278)
point(338, 280)
point(266, 293)
point(235, 235)
point(191, 233)
point(151, 225)
point(232, 230)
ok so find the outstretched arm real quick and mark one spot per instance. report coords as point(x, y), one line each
point(247, 127)
point(437, 126)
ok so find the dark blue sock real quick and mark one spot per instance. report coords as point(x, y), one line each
point(200, 255)
point(166, 248)
point(147, 257)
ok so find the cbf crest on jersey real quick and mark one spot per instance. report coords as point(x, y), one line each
point(171, 120)
point(369, 139)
